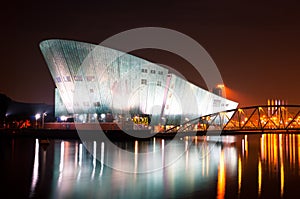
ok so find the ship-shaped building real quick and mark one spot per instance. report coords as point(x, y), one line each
point(96, 83)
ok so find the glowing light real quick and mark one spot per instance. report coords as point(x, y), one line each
point(281, 180)
point(62, 153)
point(35, 173)
point(37, 116)
point(246, 145)
point(294, 149)
point(239, 175)
point(80, 155)
point(243, 147)
point(136, 147)
point(102, 158)
point(259, 176)
point(281, 166)
point(203, 162)
point(63, 118)
point(61, 163)
point(94, 158)
point(262, 151)
point(154, 145)
point(298, 153)
point(186, 154)
point(79, 161)
point(275, 149)
point(220, 86)
point(221, 178)
point(81, 117)
point(163, 152)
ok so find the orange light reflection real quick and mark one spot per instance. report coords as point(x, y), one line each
point(221, 178)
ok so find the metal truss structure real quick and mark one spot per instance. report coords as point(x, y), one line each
point(267, 118)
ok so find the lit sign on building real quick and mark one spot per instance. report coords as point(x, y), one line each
point(142, 119)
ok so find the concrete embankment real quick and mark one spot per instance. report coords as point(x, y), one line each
point(75, 134)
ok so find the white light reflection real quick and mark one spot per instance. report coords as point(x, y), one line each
point(163, 152)
point(61, 163)
point(76, 157)
point(94, 159)
point(80, 155)
point(186, 154)
point(154, 145)
point(136, 146)
point(203, 161)
point(102, 158)
point(35, 174)
point(79, 161)
point(207, 161)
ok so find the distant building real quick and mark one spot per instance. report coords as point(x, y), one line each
point(94, 82)
point(273, 104)
point(219, 90)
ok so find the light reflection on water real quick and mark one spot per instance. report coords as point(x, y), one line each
point(241, 166)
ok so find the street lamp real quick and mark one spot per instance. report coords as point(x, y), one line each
point(43, 119)
point(37, 116)
point(63, 118)
point(102, 117)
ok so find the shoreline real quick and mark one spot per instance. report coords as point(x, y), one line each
point(73, 134)
point(119, 135)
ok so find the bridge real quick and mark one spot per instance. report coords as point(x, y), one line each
point(266, 118)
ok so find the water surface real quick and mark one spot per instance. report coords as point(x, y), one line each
point(241, 166)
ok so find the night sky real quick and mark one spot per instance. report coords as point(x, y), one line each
point(256, 45)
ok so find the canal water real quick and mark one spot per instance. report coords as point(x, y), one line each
point(240, 166)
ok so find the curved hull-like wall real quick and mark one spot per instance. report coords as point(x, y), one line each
point(93, 79)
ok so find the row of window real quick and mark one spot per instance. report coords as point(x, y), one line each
point(76, 78)
point(152, 71)
point(92, 78)
point(144, 81)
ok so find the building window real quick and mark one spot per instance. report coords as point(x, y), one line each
point(78, 78)
point(160, 73)
point(216, 103)
point(158, 83)
point(96, 104)
point(67, 78)
point(143, 81)
point(144, 70)
point(58, 79)
point(152, 71)
point(90, 78)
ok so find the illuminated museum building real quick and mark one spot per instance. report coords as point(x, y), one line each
point(96, 83)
